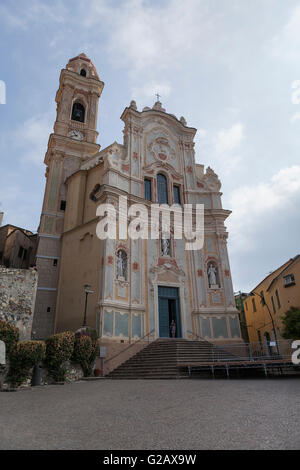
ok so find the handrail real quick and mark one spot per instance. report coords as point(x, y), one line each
point(256, 350)
point(129, 346)
point(197, 336)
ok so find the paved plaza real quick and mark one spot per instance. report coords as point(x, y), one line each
point(154, 414)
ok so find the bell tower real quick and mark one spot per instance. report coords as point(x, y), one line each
point(72, 142)
point(77, 101)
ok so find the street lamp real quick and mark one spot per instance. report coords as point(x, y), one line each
point(271, 316)
point(88, 291)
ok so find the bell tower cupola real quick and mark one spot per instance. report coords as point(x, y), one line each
point(77, 100)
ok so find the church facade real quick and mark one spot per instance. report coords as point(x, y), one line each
point(138, 287)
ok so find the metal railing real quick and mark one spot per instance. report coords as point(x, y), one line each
point(197, 336)
point(131, 346)
point(243, 351)
point(253, 351)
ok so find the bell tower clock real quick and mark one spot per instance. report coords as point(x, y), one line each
point(73, 141)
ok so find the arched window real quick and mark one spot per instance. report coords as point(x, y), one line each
point(162, 189)
point(83, 72)
point(94, 196)
point(78, 112)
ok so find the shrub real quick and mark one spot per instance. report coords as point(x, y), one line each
point(59, 349)
point(23, 358)
point(291, 324)
point(10, 335)
point(86, 348)
point(87, 331)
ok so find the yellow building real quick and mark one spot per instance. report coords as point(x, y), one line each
point(269, 301)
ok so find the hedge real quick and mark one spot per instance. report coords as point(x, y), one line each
point(59, 349)
point(86, 348)
point(10, 335)
point(23, 358)
point(81, 348)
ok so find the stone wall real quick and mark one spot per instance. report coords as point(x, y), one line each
point(17, 298)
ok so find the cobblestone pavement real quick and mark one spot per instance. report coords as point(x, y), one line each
point(154, 414)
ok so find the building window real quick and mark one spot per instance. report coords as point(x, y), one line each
point(83, 73)
point(176, 191)
point(253, 305)
point(147, 189)
point(55, 262)
point(289, 280)
point(21, 251)
point(262, 297)
point(63, 205)
point(273, 304)
point(277, 298)
point(94, 196)
point(48, 309)
point(78, 112)
point(162, 189)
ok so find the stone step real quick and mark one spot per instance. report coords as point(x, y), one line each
point(161, 358)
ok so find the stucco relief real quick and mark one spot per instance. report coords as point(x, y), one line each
point(166, 272)
point(115, 157)
point(161, 145)
point(154, 167)
point(161, 149)
point(212, 181)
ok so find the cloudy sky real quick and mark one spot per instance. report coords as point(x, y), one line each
point(230, 67)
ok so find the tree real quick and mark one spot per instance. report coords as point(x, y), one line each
point(291, 324)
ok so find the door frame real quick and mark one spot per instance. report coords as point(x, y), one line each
point(181, 307)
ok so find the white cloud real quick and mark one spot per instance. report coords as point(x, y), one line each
point(155, 40)
point(33, 136)
point(286, 44)
point(36, 11)
point(255, 208)
point(221, 150)
point(147, 34)
point(19, 205)
point(229, 139)
point(295, 117)
point(146, 91)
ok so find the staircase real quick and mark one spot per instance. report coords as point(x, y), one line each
point(160, 360)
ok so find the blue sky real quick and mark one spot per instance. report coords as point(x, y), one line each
point(228, 67)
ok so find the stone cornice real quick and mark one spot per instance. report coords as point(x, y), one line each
point(72, 79)
point(66, 145)
point(163, 115)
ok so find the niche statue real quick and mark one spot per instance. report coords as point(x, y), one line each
point(121, 264)
point(212, 273)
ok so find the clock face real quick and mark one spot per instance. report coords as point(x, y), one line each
point(75, 135)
